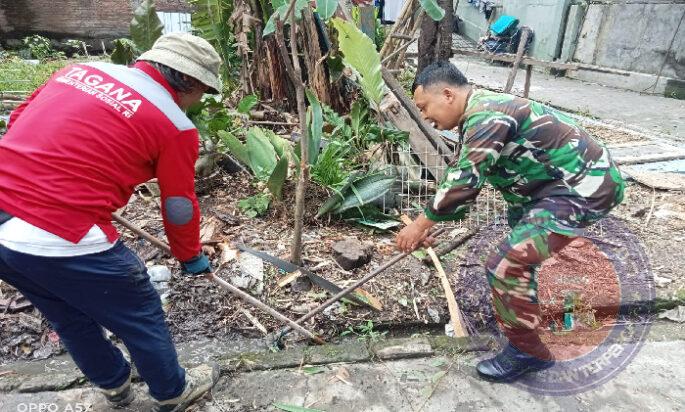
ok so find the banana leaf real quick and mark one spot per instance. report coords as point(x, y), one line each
point(145, 26)
point(360, 53)
point(326, 8)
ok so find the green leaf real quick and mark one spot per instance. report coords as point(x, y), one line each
point(326, 8)
point(419, 254)
point(261, 153)
point(235, 146)
point(315, 126)
point(281, 8)
point(313, 370)
point(433, 9)
point(277, 178)
point(282, 146)
point(437, 376)
point(145, 26)
point(357, 115)
point(294, 408)
point(125, 52)
point(247, 103)
point(256, 205)
point(438, 362)
point(360, 53)
point(357, 192)
point(366, 190)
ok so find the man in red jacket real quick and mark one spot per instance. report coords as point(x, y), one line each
point(72, 155)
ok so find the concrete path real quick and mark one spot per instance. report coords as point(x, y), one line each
point(404, 375)
point(641, 112)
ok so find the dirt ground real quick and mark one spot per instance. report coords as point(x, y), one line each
point(410, 292)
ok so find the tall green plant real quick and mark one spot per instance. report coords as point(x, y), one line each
point(360, 54)
point(210, 21)
point(145, 29)
point(146, 26)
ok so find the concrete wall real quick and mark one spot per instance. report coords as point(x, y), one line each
point(85, 19)
point(635, 36)
point(547, 18)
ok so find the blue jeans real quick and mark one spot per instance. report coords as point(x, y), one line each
point(79, 295)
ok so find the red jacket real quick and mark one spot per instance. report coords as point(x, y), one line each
point(76, 149)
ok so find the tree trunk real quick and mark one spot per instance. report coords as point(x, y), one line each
point(270, 78)
point(316, 73)
point(435, 41)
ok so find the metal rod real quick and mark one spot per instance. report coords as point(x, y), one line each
point(234, 290)
point(350, 289)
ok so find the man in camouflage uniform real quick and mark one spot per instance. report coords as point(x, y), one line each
point(555, 178)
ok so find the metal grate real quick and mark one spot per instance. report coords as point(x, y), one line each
point(416, 187)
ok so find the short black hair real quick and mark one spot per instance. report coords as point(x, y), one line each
point(441, 71)
point(177, 80)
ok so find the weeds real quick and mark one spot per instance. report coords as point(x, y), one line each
point(365, 332)
point(17, 75)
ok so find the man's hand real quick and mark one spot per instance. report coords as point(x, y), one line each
point(197, 265)
point(413, 235)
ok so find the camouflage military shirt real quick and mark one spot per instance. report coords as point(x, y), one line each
point(538, 158)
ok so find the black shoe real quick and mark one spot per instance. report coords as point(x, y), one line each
point(119, 397)
point(511, 364)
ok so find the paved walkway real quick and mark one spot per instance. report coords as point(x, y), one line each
point(419, 374)
point(646, 113)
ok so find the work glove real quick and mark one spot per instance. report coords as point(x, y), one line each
point(197, 265)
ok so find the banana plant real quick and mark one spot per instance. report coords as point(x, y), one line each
point(210, 21)
point(145, 29)
point(361, 55)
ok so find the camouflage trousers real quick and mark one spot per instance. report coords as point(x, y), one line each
point(538, 232)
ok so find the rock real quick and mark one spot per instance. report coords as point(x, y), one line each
point(403, 348)
point(159, 277)
point(251, 274)
point(662, 281)
point(351, 253)
point(159, 273)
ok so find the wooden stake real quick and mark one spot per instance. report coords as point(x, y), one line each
point(455, 315)
point(517, 60)
point(529, 75)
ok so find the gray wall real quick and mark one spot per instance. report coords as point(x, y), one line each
point(634, 36)
point(630, 35)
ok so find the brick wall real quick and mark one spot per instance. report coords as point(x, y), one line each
point(85, 19)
